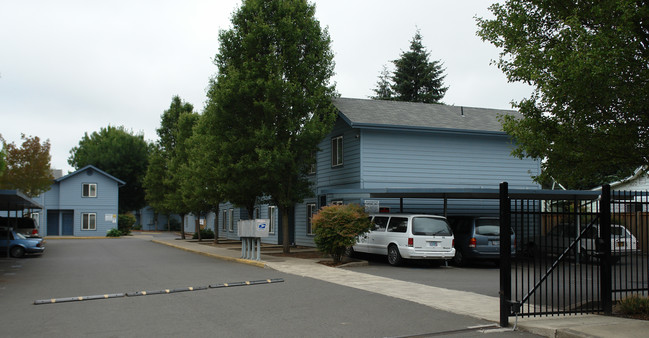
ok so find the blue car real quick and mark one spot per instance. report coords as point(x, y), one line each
point(478, 239)
point(17, 245)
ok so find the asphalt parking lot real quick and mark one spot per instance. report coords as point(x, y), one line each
point(297, 307)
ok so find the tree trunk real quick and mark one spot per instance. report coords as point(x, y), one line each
point(182, 226)
point(197, 227)
point(155, 221)
point(286, 245)
point(216, 225)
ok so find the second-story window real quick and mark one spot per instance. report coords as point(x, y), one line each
point(314, 165)
point(337, 151)
point(89, 190)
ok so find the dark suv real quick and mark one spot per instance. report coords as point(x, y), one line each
point(477, 238)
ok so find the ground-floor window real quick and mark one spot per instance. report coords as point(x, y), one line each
point(88, 221)
point(231, 219)
point(224, 220)
point(310, 210)
point(272, 215)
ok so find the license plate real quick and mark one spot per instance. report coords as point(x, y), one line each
point(495, 243)
point(433, 243)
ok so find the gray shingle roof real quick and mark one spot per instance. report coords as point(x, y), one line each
point(364, 113)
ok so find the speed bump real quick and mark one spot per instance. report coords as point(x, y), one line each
point(155, 292)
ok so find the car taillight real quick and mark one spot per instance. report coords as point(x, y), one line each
point(411, 241)
point(35, 232)
point(472, 242)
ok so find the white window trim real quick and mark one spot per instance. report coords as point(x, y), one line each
point(272, 214)
point(86, 227)
point(90, 190)
point(224, 220)
point(231, 220)
point(337, 202)
point(336, 155)
point(310, 211)
point(314, 166)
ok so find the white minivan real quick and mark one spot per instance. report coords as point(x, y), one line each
point(408, 236)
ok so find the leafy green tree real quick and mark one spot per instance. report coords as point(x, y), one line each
point(154, 188)
point(201, 182)
point(272, 102)
point(163, 178)
point(119, 153)
point(337, 226)
point(3, 163)
point(26, 168)
point(587, 118)
point(183, 200)
point(177, 162)
point(415, 78)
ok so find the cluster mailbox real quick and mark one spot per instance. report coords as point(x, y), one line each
point(253, 228)
point(251, 231)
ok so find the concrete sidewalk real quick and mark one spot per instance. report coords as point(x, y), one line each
point(459, 302)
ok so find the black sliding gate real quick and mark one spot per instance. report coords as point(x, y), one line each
point(573, 256)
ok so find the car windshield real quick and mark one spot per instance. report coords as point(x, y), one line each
point(429, 226)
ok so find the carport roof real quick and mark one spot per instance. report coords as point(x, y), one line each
point(468, 193)
point(12, 200)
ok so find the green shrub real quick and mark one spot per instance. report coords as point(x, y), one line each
point(125, 223)
point(113, 233)
point(206, 233)
point(633, 305)
point(337, 226)
point(137, 227)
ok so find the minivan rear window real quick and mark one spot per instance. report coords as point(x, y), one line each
point(487, 227)
point(428, 226)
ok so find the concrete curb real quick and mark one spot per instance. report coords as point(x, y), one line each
point(73, 237)
point(226, 258)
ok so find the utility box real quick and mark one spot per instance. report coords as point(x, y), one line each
point(253, 228)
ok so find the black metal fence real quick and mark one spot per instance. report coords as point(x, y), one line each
point(575, 254)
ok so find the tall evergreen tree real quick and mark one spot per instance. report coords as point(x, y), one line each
point(415, 77)
point(271, 102)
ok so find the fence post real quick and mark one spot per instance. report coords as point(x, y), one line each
point(605, 276)
point(505, 256)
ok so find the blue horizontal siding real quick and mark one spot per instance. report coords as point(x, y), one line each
point(347, 175)
point(408, 159)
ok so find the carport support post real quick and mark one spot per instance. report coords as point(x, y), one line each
point(605, 276)
point(505, 256)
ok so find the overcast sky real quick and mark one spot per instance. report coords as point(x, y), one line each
point(69, 67)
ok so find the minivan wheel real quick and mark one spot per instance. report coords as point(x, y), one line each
point(17, 252)
point(394, 257)
point(349, 252)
